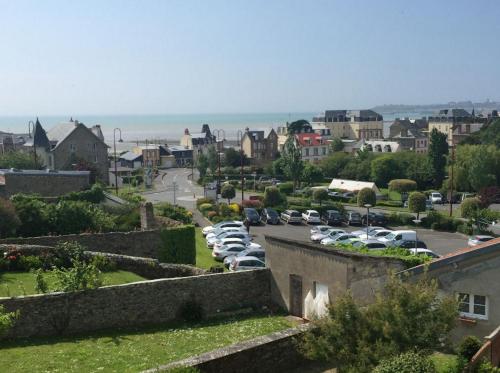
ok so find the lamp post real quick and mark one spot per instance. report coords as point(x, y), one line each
point(239, 135)
point(31, 124)
point(451, 179)
point(416, 221)
point(367, 205)
point(220, 137)
point(114, 149)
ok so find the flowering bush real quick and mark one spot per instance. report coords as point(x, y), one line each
point(235, 208)
point(211, 214)
point(204, 207)
point(256, 204)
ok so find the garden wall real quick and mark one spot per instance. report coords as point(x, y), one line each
point(140, 303)
point(276, 352)
point(137, 243)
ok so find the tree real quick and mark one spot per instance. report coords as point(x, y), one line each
point(212, 158)
point(228, 192)
point(384, 169)
point(367, 196)
point(9, 221)
point(312, 174)
point(437, 152)
point(402, 185)
point(320, 195)
point(232, 158)
point(292, 160)
point(334, 163)
point(470, 207)
point(32, 213)
point(417, 202)
point(337, 145)
point(273, 197)
point(297, 126)
point(483, 167)
point(7, 320)
point(357, 338)
point(202, 165)
point(279, 167)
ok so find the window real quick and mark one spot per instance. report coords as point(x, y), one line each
point(473, 305)
point(315, 150)
point(323, 150)
point(307, 152)
point(72, 148)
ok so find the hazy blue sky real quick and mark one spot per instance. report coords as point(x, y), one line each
point(111, 57)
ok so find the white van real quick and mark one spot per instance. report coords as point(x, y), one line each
point(399, 235)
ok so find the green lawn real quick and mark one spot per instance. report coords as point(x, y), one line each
point(132, 350)
point(204, 257)
point(23, 283)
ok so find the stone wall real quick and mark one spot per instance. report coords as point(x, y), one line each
point(136, 304)
point(137, 243)
point(276, 352)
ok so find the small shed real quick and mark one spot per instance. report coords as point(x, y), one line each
point(352, 185)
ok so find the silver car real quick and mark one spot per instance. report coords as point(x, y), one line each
point(329, 233)
point(479, 239)
point(227, 250)
point(243, 263)
point(370, 244)
point(259, 254)
point(238, 234)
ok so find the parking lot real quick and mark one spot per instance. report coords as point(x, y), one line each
point(440, 242)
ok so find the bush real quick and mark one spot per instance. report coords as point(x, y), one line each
point(178, 213)
point(228, 192)
point(65, 253)
point(235, 208)
point(396, 218)
point(390, 203)
point(201, 201)
point(32, 212)
point(417, 202)
point(468, 347)
point(486, 367)
point(297, 201)
point(9, 221)
point(470, 207)
point(225, 210)
point(178, 245)
point(273, 197)
point(6, 320)
point(127, 218)
point(286, 188)
point(29, 262)
point(191, 311)
point(466, 229)
point(204, 207)
point(402, 185)
point(408, 362)
point(93, 195)
point(366, 196)
point(81, 276)
point(320, 195)
point(213, 214)
point(256, 204)
point(103, 263)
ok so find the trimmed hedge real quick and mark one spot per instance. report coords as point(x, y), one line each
point(402, 185)
point(178, 245)
point(390, 203)
point(286, 188)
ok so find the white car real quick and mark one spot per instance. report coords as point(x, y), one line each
point(419, 251)
point(219, 253)
point(242, 263)
point(436, 197)
point(245, 237)
point(259, 254)
point(244, 242)
point(330, 233)
point(371, 229)
point(238, 234)
point(215, 232)
point(375, 235)
point(479, 239)
point(311, 217)
point(320, 229)
point(222, 224)
point(340, 239)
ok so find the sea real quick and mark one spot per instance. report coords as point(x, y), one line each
point(168, 128)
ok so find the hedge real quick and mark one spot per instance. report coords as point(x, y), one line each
point(286, 188)
point(402, 185)
point(178, 245)
point(390, 203)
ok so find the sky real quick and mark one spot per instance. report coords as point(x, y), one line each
point(157, 57)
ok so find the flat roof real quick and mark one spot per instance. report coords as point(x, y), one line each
point(13, 171)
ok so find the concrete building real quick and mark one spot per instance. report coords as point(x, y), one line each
point(410, 135)
point(260, 145)
point(46, 183)
point(130, 160)
point(183, 156)
point(457, 124)
point(68, 144)
point(198, 142)
point(353, 124)
point(314, 147)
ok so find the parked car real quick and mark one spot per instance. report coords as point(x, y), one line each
point(320, 229)
point(348, 195)
point(400, 235)
point(374, 218)
point(335, 194)
point(251, 215)
point(291, 216)
point(429, 205)
point(259, 254)
point(421, 251)
point(332, 217)
point(240, 234)
point(409, 244)
point(332, 232)
point(479, 239)
point(371, 230)
point(339, 238)
point(221, 252)
point(242, 263)
point(222, 224)
point(241, 241)
point(375, 235)
point(371, 244)
point(311, 217)
point(353, 218)
point(436, 198)
point(269, 216)
point(215, 232)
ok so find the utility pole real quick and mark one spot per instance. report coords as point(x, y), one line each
point(220, 136)
point(114, 149)
point(451, 179)
point(239, 134)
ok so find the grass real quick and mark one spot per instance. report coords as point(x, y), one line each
point(444, 362)
point(132, 350)
point(393, 196)
point(204, 257)
point(23, 283)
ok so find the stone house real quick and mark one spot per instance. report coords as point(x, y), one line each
point(410, 135)
point(457, 124)
point(353, 124)
point(200, 142)
point(260, 146)
point(67, 144)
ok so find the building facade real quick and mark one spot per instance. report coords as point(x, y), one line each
point(457, 124)
point(411, 135)
point(260, 146)
point(353, 124)
point(313, 147)
point(200, 142)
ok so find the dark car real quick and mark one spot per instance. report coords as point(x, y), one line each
point(353, 218)
point(348, 195)
point(269, 216)
point(251, 215)
point(375, 218)
point(410, 244)
point(332, 217)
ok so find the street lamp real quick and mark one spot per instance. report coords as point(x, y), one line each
point(114, 149)
point(239, 136)
point(31, 124)
point(220, 137)
point(367, 205)
point(416, 221)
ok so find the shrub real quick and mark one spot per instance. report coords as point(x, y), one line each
point(256, 204)
point(486, 367)
point(213, 214)
point(204, 207)
point(466, 229)
point(80, 276)
point(396, 218)
point(33, 215)
point(470, 207)
point(417, 202)
point(366, 196)
point(41, 286)
point(178, 213)
point(390, 203)
point(286, 188)
point(191, 311)
point(178, 245)
point(228, 192)
point(402, 185)
point(6, 320)
point(201, 201)
point(320, 195)
point(9, 221)
point(297, 201)
point(93, 195)
point(103, 263)
point(127, 218)
point(29, 262)
point(273, 197)
point(66, 253)
point(468, 347)
point(235, 208)
point(216, 269)
point(408, 362)
point(225, 210)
